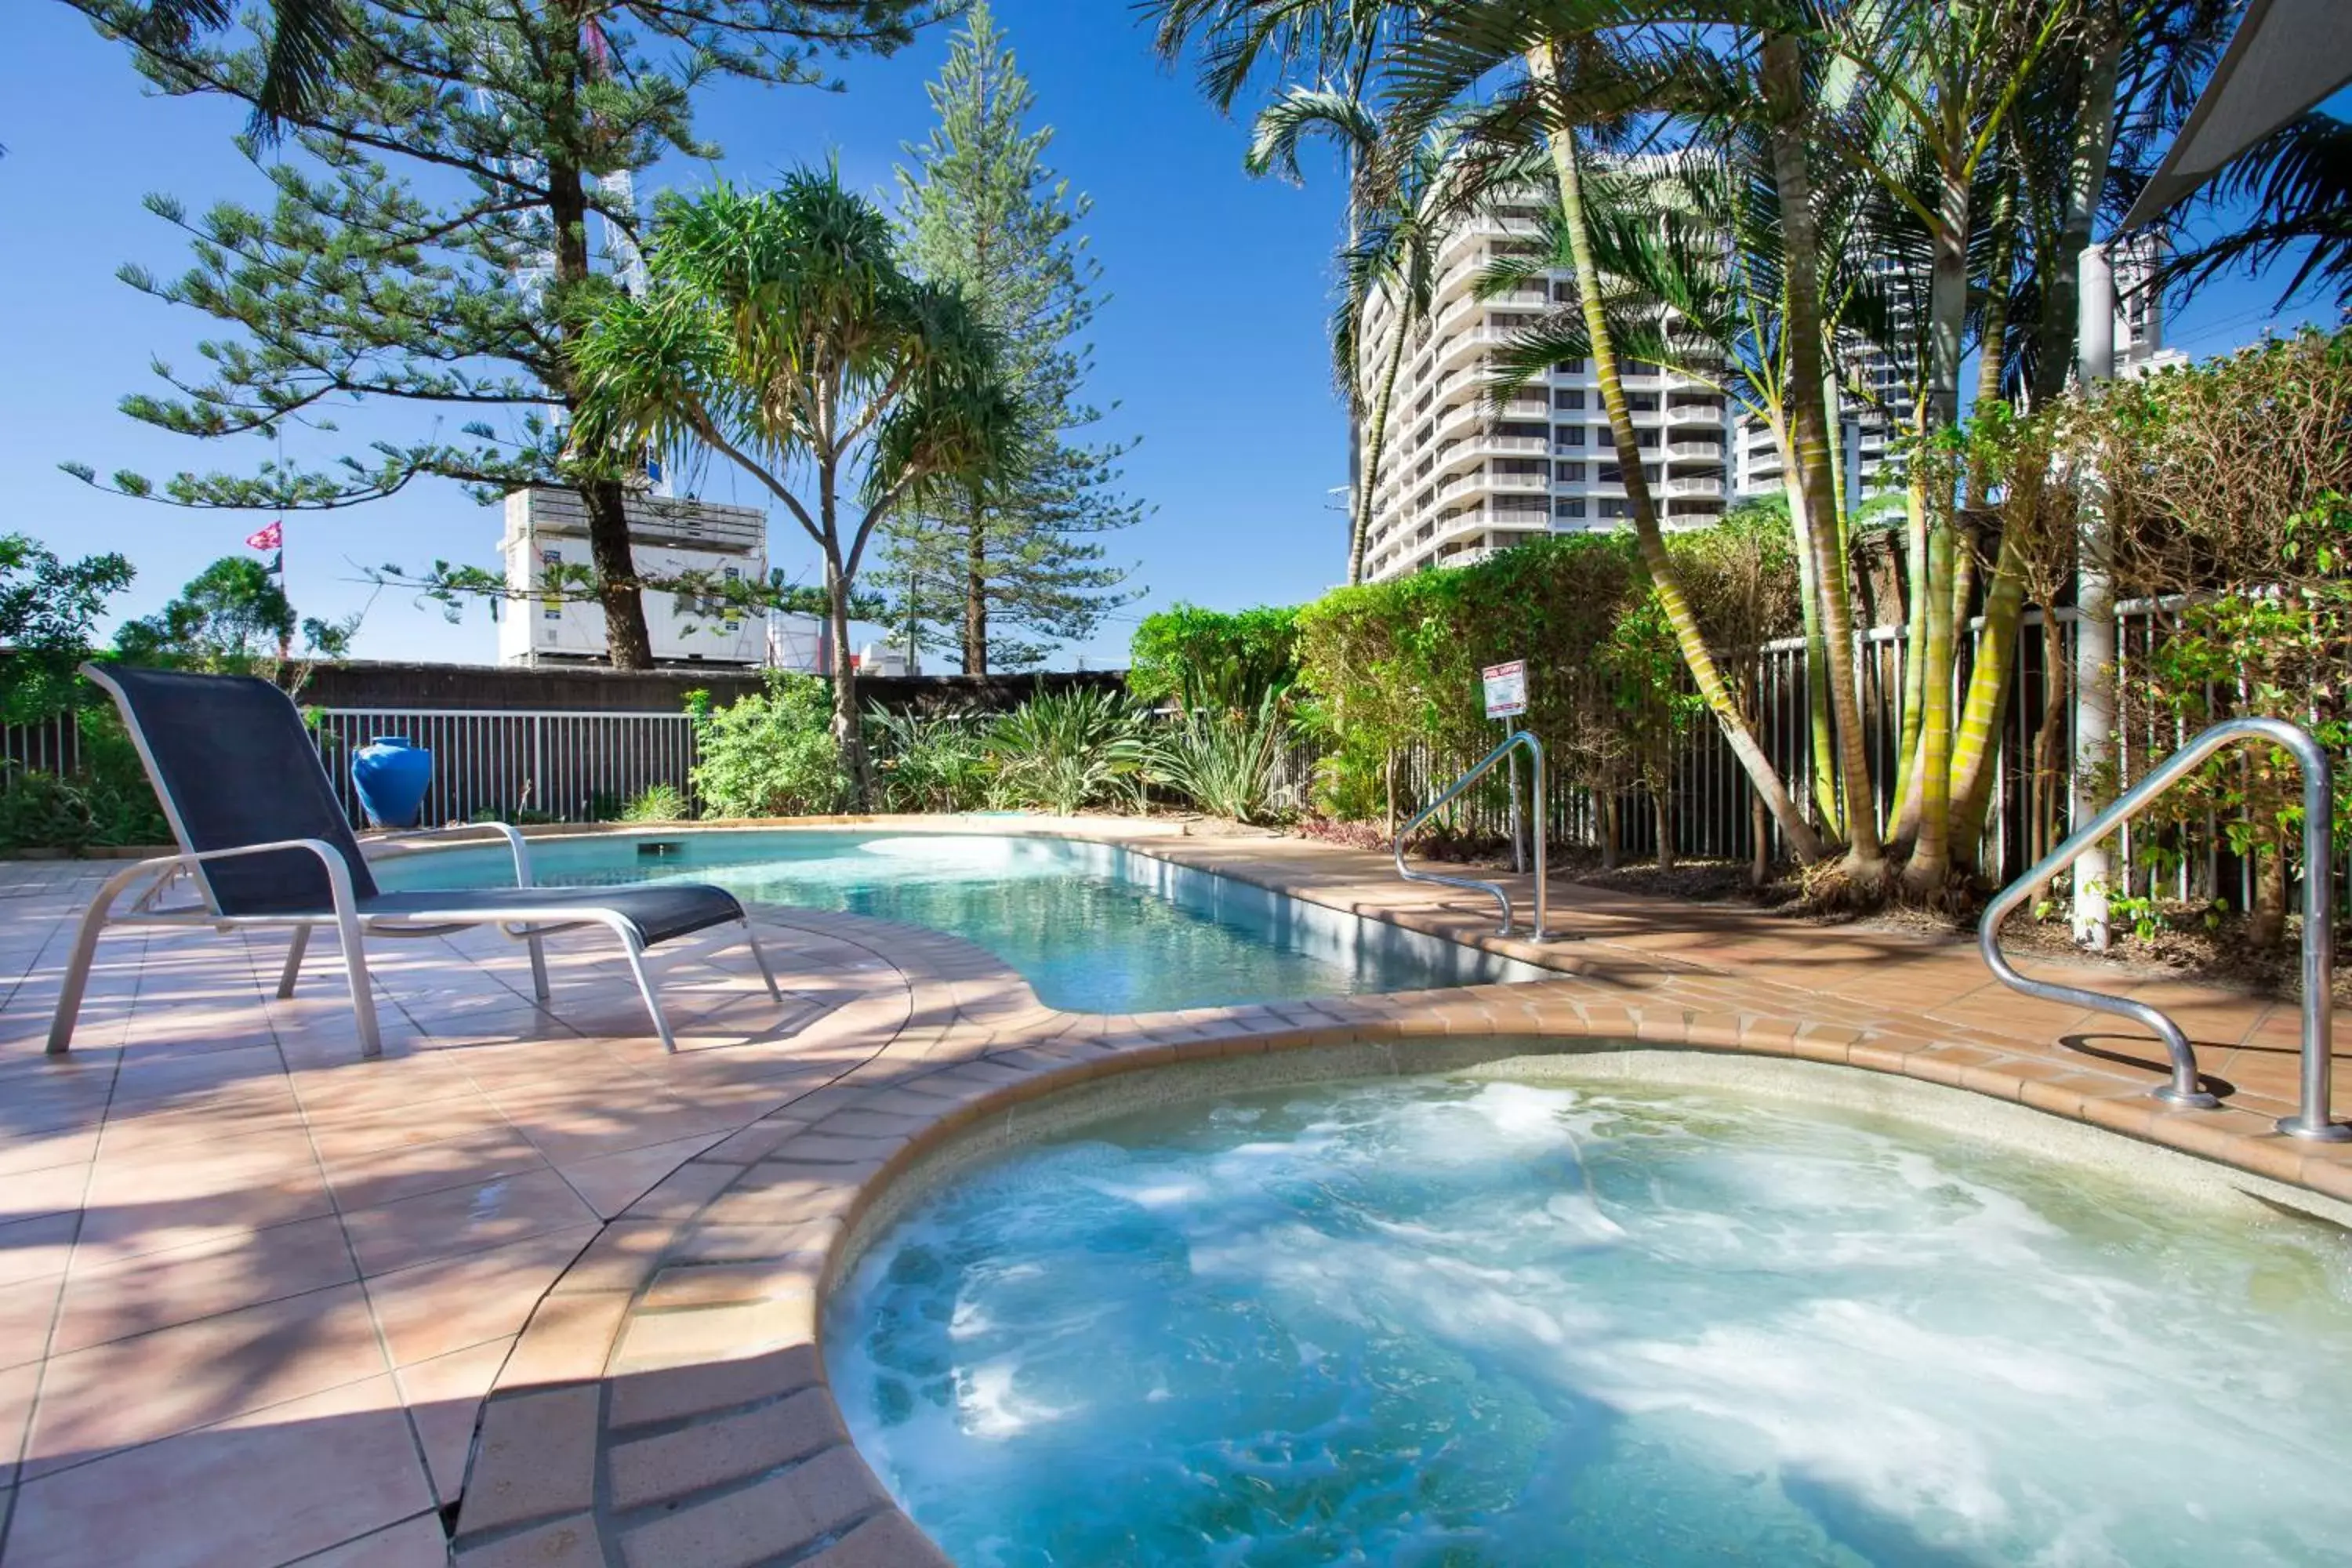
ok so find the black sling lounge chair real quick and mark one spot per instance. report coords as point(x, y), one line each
point(266, 843)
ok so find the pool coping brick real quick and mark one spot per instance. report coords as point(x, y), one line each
point(663, 1401)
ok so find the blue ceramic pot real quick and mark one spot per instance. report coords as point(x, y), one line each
point(391, 776)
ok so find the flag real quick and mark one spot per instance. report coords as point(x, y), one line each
point(270, 538)
point(277, 567)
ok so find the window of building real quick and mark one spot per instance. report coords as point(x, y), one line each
point(1640, 367)
point(1642, 402)
point(1568, 473)
point(1568, 505)
point(1568, 367)
point(1608, 474)
point(1521, 466)
point(1610, 508)
point(1568, 397)
point(1646, 438)
point(1568, 436)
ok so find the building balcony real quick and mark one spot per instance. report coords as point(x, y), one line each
point(1690, 414)
point(1688, 451)
point(1692, 486)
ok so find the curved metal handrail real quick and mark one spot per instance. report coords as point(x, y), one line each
point(2312, 1120)
point(1534, 748)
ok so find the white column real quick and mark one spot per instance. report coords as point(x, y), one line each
point(2094, 601)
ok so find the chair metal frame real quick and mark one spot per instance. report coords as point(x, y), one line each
point(523, 920)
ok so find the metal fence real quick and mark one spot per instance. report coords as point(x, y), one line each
point(573, 767)
point(580, 766)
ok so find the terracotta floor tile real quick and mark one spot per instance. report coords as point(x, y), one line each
point(610, 1183)
point(444, 1398)
point(17, 1386)
point(33, 1193)
point(138, 1390)
point(156, 1218)
point(272, 1486)
point(468, 1219)
point(159, 1289)
point(42, 1152)
point(27, 1310)
point(34, 1248)
point(416, 1541)
point(389, 1175)
point(437, 1308)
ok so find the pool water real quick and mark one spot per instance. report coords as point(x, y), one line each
point(1082, 923)
point(1445, 1322)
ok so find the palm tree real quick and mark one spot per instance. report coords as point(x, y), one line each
point(1591, 85)
point(309, 40)
point(781, 332)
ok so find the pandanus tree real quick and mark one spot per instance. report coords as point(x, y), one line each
point(781, 332)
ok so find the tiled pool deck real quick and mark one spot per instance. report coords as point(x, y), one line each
point(528, 1290)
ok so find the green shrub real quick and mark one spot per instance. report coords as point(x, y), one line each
point(937, 763)
point(1066, 752)
point(1225, 763)
point(1213, 659)
point(108, 803)
point(771, 755)
point(662, 803)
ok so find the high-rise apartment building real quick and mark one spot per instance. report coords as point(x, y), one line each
point(1866, 426)
point(1461, 478)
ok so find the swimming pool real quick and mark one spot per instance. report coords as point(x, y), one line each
point(1476, 1320)
point(1092, 927)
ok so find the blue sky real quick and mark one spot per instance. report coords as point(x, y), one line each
point(1211, 344)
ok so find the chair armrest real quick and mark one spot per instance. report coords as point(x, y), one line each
point(339, 870)
point(512, 835)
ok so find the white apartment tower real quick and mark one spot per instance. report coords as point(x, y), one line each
point(1461, 479)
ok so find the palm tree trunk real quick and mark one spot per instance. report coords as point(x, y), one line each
point(1667, 584)
point(1809, 438)
point(1947, 303)
point(1915, 663)
point(848, 744)
point(1988, 698)
point(1360, 528)
point(1817, 657)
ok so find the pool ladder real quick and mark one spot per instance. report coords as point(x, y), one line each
point(2311, 1121)
point(1518, 739)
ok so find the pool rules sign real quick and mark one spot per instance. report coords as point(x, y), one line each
point(1507, 688)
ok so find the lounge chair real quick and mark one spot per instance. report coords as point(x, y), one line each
point(266, 843)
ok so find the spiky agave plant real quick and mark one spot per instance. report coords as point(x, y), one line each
point(935, 763)
point(1066, 751)
point(1226, 762)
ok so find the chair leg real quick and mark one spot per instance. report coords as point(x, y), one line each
point(356, 971)
point(751, 941)
point(645, 989)
point(538, 945)
point(77, 980)
point(294, 951)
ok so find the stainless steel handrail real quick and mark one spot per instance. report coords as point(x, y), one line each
point(2312, 1120)
point(1534, 748)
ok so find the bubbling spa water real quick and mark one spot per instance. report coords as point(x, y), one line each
point(1447, 1321)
